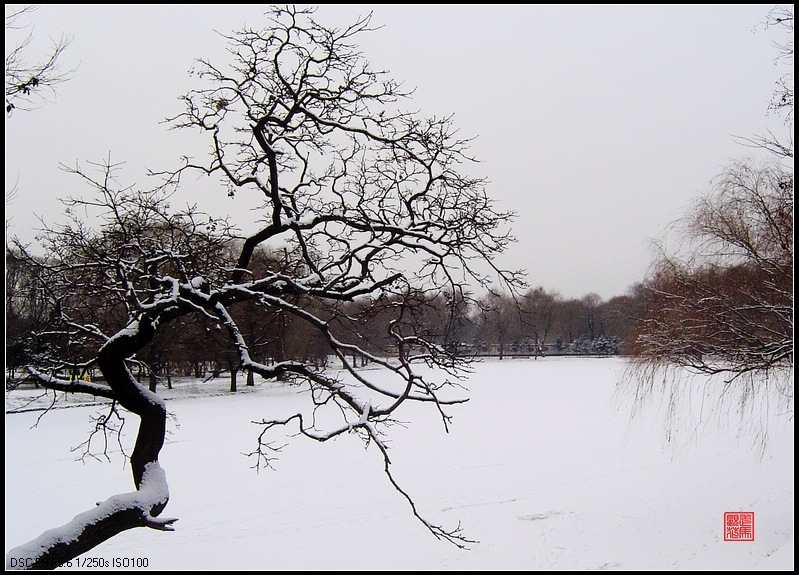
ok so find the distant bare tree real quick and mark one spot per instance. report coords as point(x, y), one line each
point(538, 315)
point(28, 80)
point(27, 309)
point(371, 202)
point(591, 303)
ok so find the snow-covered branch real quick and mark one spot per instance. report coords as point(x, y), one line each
point(140, 508)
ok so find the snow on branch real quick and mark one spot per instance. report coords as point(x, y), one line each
point(85, 531)
point(71, 386)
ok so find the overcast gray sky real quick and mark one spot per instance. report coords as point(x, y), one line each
point(596, 124)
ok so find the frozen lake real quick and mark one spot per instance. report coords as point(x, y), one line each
point(544, 466)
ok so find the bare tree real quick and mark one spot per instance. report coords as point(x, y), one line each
point(538, 313)
point(725, 306)
point(592, 302)
point(370, 202)
point(497, 322)
point(26, 311)
point(29, 81)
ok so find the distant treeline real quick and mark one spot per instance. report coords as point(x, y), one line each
point(535, 323)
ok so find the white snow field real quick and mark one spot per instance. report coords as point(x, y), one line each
point(544, 466)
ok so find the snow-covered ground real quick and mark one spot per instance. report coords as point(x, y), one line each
point(544, 466)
